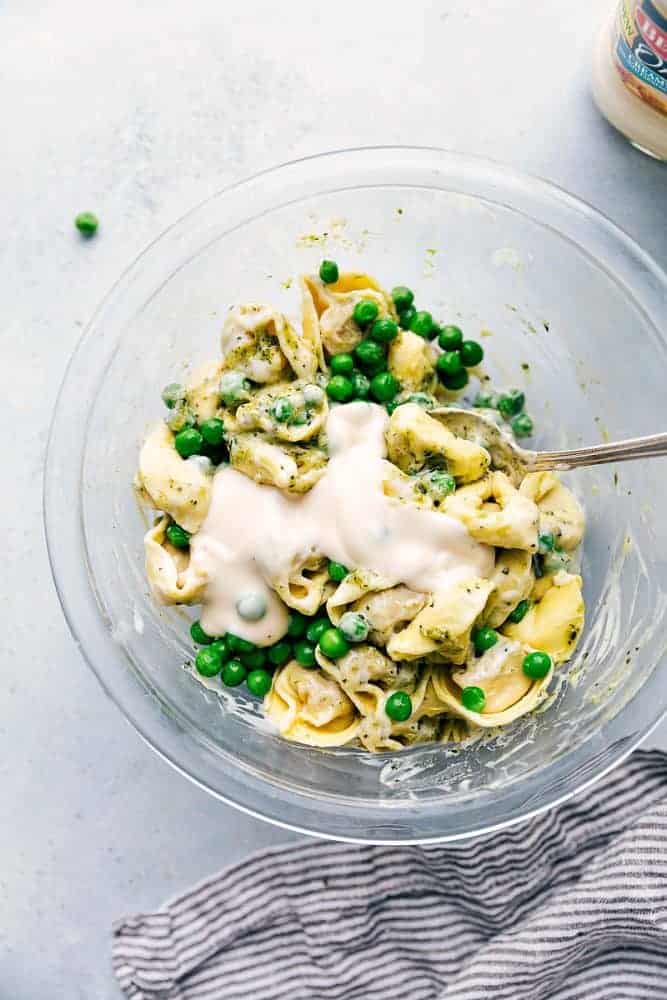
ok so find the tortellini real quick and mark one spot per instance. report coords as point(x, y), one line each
point(202, 392)
point(512, 583)
point(333, 305)
point(559, 510)
point(250, 343)
point(175, 485)
point(414, 437)
point(499, 673)
point(173, 580)
point(444, 625)
point(411, 360)
point(290, 411)
point(304, 587)
point(311, 708)
point(556, 618)
point(495, 512)
point(449, 694)
point(503, 542)
point(389, 611)
point(369, 678)
point(355, 585)
point(289, 467)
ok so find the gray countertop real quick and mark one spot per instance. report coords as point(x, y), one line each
point(138, 110)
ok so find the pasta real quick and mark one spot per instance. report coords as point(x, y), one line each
point(174, 485)
point(377, 578)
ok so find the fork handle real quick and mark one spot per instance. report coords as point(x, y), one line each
point(600, 454)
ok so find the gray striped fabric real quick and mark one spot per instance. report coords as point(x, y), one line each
point(571, 905)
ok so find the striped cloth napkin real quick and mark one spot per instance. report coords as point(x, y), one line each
point(571, 905)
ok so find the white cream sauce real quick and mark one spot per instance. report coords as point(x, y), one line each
point(254, 534)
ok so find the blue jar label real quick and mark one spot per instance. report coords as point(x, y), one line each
point(640, 50)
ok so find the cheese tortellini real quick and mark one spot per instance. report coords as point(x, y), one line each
point(442, 644)
point(495, 512)
point(177, 486)
point(414, 437)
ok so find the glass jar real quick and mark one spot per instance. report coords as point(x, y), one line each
point(630, 74)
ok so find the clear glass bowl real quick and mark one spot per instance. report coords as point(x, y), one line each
point(573, 308)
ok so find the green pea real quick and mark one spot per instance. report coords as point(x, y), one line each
point(173, 395)
point(422, 323)
point(188, 442)
point(522, 425)
point(178, 537)
point(333, 644)
point(340, 389)
point(486, 401)
point(222, 647)
point(212, 431)
point(233, 673)
point(279, 653)
point(454, 382)
point(483, 639)
point(238, 645)
point(304, 653)
point(403, 297)
point(337, 571)
point(259, 682)
point(252, 607)
point(316, 629)
point(365, 312)
point(436, 330)
point(199, 636)
point(296, 625)
point(537, 665)
point(390, 407)
point(510, 403)
point(234, 388)
point(519, 613)
point(208, 661)
point(361, 385)
point(398, 706)
point(86, 223)
point(450, 338)
point(406, 316)
point(546, 542)
point(254, 660)
point(472, 353)
point(370, 354)
point(384, 387)
point(354, 626)
point(383, 330)
point(282, 410)
point(342, 364)
point(329, 272)
point(473, 698)
point(449, 363)
point(442, 482)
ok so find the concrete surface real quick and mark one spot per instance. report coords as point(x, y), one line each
point(137, 110)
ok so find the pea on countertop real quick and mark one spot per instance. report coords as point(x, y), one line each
point(87, 223)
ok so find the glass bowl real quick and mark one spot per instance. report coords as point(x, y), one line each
point(569, 307)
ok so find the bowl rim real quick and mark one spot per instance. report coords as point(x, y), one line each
point(58, 541)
